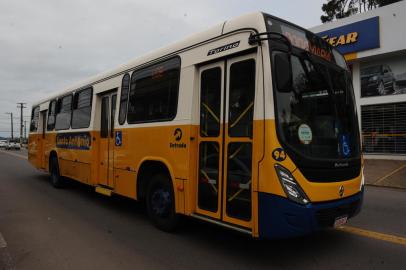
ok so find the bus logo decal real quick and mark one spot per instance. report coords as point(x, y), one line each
point(341, 191)
point(224, 48)
point(178, 134)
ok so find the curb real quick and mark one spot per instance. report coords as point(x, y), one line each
point(381, 186)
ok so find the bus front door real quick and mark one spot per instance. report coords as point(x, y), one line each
point(106, 144)
point(224, 188)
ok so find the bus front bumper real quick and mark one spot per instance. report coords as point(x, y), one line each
point(282, 218)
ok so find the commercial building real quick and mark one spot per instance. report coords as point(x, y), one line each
point(374, 44)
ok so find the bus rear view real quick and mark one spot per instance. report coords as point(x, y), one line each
point(318, 156)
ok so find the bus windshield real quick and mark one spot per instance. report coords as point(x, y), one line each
point(317, 117)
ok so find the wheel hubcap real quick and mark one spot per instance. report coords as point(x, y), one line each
point(160, 202)
point(54, 177)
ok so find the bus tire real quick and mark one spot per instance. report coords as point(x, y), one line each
point(57, 180)
point(160, 202)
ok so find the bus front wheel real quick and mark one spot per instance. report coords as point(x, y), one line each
point(161, 204)
point(56, 179)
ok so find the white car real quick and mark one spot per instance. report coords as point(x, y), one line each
point(3, 144)
point(13, 146)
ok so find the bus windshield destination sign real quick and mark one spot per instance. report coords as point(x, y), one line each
point(299, 39)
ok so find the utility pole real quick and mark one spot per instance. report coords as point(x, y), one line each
point(11, 117)
point(21, 106)
point(25, 130)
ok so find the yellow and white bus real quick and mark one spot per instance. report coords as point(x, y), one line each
point(250, 125)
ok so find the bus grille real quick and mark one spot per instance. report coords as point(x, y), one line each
point(326, 217)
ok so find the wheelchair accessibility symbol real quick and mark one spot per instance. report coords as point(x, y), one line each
point(119, 138)
point(345, 145)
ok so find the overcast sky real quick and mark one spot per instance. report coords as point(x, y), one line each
point(46, 45)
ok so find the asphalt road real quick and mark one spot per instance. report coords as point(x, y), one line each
point(75, 228)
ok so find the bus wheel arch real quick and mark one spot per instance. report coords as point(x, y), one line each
point(147, 169)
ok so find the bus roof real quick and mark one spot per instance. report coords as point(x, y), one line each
point(253, 20)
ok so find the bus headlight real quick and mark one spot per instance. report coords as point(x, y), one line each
point(290, 186)
point(362, 179)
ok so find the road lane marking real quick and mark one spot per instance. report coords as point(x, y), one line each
point(376, 235)
point(380, 180)
point(3, 242)
point(13, 154)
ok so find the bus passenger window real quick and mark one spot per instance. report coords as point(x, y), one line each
point(125, 87)
point(51, 115)
point(154, 93)
point(64, 113)
point(34, 119)
point(82, 109)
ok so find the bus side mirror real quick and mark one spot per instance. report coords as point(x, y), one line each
point(283, 72)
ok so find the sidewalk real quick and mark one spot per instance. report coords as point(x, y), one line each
point(381, 172)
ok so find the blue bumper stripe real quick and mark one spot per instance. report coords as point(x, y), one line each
point(282, 218)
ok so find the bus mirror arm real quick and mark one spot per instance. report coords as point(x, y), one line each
point(256, 38)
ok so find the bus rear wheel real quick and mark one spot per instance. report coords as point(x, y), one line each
point(161, 204)
point(56, 179)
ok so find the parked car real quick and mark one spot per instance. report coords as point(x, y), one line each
point(13, 146)
point(377, 80)
point(3, 144)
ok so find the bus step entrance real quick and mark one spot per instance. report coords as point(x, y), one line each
point(104, 191)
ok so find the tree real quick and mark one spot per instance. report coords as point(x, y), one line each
point(338, 9)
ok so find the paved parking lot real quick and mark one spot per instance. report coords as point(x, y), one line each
point(390, 173)
point(75, 228)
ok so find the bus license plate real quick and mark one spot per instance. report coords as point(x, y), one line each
point(340, 221)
